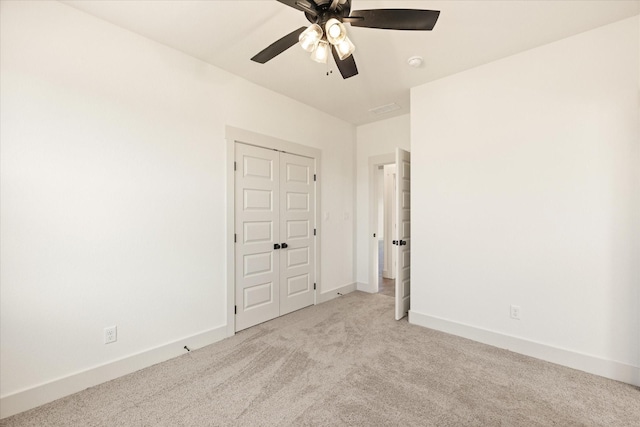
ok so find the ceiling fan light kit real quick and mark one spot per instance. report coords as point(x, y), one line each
point(310, 37)
point(345, 48)
point(336, 31)
point(321, 53)
point(332, 15)
point(315, 41)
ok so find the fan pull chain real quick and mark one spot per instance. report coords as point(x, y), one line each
point(329, 70)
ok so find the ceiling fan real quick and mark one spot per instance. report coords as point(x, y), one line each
point(327, 31)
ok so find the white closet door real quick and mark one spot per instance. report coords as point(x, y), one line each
point(403, 216)
point(257, 231)
point(274, 221)
point(297, 208)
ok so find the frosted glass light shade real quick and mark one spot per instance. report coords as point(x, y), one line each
point(310, 37)
point(321, 54)
point(345, 48)
point(335, 30)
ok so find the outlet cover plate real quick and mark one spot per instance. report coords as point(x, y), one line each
point(515, 312)
point(110, 334)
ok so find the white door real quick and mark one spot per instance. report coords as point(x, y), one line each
point(390, 223)
point(403, 244)
point(257, 231)
point(297, 202)
point(275, 247)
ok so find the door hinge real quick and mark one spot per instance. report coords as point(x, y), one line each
point(314, 176)
point(314, 286)
point(314, 231)
point(235, 309)
point(235, 238)
point(235, 166)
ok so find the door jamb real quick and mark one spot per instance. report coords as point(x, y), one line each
point(233, 135)
point(374, 162)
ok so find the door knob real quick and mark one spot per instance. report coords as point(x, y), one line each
point(403, 242)
point(285, 246)
point(395, 242)
point(276, 246)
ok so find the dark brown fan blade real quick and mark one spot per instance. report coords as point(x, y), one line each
point(277, 47)
point(347, 67)
point(395, 19)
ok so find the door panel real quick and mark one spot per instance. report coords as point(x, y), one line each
point(297, 230)
point(403, 215)
point(298, 284)
point(258, 231)
point(258, 296)
point(257, 228)
point(258, 200)
point(258, 167)
point(298, 173)
point(297, 202)
point(297, 257)
point(297, 214)
point(255, 264)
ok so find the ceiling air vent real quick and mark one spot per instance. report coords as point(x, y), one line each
point(384, 109)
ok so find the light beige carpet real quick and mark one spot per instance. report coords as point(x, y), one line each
point(346, 362)
point(387, 287)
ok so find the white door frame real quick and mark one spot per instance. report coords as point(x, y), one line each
point(233, 135)
point(374, 162)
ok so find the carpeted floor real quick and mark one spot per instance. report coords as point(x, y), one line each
point(385, 286)
point(346, 362)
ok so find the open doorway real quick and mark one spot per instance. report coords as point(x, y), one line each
point(382, 219)
point(393, 185)
point(385, 194)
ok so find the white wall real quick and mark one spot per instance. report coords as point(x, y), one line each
point(526, 191)
point(373, 139)
point(113, 191)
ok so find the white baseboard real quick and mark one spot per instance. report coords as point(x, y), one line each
point(335, 293)
point(572, 359)
point(365, 287)
point(44, 393)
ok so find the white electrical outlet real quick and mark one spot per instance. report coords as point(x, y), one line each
point(515, 312)
point(110, 334)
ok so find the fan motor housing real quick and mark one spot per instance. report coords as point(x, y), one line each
point(322, 7)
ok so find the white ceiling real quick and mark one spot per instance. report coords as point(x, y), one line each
point(227, 33)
